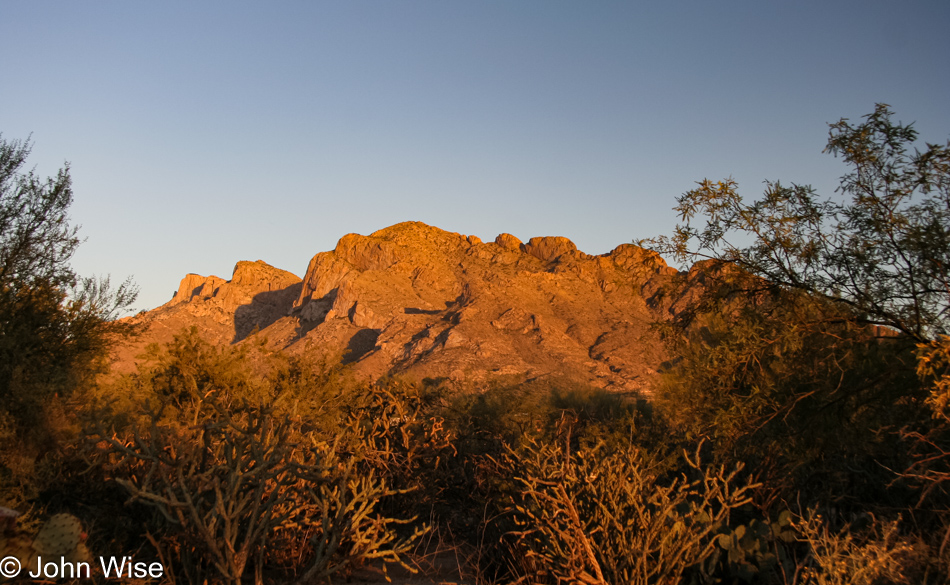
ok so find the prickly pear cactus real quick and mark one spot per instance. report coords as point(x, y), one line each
point(757, 548)
point(59, 537)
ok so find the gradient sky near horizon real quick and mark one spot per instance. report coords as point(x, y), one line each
point(203, 133)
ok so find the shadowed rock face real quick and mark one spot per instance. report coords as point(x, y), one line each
point(225, 311)
point(416, 300)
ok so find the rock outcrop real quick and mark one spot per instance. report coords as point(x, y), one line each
point(225, 311)
point(416, 300)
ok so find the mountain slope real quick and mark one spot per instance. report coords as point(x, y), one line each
point(415, 300)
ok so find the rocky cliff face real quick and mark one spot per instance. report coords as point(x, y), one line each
point(416, 300)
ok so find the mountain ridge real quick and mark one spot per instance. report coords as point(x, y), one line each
point(415, 300)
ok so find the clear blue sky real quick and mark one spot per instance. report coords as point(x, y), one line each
point(203, 133)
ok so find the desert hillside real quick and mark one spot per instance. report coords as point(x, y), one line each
point(416, 300)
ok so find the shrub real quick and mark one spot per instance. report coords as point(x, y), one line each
point(797, 390)
point(601, 516)
point(217, 453)
point(850, 557)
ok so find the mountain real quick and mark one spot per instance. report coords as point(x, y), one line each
point(415, 300)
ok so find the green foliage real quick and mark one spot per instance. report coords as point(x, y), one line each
point(55, 328)
point(798, 348)
point(799, 394)
point(798, 354)
point(884, 253)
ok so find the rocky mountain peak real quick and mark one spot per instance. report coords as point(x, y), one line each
point(420, 301)
point(247, 281)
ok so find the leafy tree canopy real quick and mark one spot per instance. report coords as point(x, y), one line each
point(54, 326)
point(780, 361)
point(882, 249)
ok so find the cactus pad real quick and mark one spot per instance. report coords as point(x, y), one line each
point(59, 536)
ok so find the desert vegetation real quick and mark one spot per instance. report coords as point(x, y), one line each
point(798, 433)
